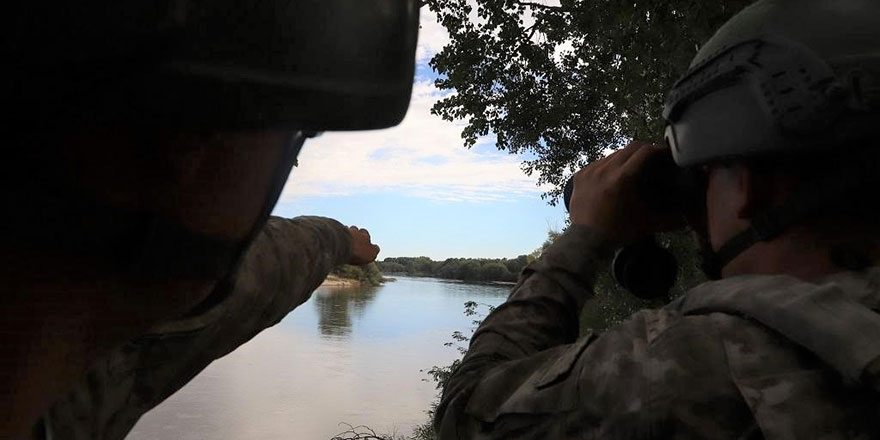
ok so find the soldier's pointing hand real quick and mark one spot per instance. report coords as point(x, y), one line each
point(363, 251)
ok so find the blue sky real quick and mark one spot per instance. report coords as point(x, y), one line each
point(416, 188)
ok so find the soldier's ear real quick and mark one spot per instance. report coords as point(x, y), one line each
point(736, 189)
point(752, 194)
point(762, 188)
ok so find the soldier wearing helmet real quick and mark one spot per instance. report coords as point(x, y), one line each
point(147, 145)
point(778, 114)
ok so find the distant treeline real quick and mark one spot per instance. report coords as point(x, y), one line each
point(464, 269)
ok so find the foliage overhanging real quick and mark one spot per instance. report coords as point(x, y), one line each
point(563, 84)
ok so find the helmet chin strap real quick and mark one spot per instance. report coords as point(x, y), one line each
point(767, 225)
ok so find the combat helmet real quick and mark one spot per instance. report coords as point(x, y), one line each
point(314, 65)
point(783, 77)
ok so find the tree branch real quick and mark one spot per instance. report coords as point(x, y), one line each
point(531, 30)
point(528, 38)
point(540, 6)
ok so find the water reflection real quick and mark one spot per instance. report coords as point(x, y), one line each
point(354, 355)
point(335, 306)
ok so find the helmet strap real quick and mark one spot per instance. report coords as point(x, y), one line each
point(764, 227)
point(810, 199)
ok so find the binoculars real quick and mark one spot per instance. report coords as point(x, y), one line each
point(644, 268)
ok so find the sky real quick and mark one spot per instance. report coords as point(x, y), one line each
point(415, 186)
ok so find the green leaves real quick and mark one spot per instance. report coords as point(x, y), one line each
point(565, 83)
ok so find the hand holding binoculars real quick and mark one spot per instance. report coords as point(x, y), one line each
point(644, 268)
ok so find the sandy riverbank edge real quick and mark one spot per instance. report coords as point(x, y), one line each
point(339, 282)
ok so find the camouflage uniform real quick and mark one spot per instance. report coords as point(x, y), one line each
point(746, 357)
point(286, 262)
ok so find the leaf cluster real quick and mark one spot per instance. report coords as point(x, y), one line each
point(563, 84)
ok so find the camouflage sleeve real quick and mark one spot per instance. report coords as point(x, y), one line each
point(281, 268)
point(541, 313)
point(284, 264)
point(527, 375)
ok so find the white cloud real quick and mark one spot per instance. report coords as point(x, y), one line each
point(432, 36)
point(422, 157)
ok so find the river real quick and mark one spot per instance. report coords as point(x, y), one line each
point(351, 355)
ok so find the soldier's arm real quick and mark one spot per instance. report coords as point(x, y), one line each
point(284, 264)
point(517, 356)
point(281, 268)
point(527, 375)
point(541, 313)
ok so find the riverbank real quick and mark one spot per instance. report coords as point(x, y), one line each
point(335, 281)
point(499, 283)
point(453, 280)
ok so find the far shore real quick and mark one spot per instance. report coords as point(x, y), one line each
point(452, 280)
point(332, 281)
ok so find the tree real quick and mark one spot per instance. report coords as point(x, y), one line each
point(369, 274)
point(552, 235)
point(469, 270)
point(494, 271)
point(565, 83)
point(449, 268)
point(391, 267)
point(423, 266)
point(515, 265)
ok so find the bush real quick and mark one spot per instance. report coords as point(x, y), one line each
point(368, 274)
